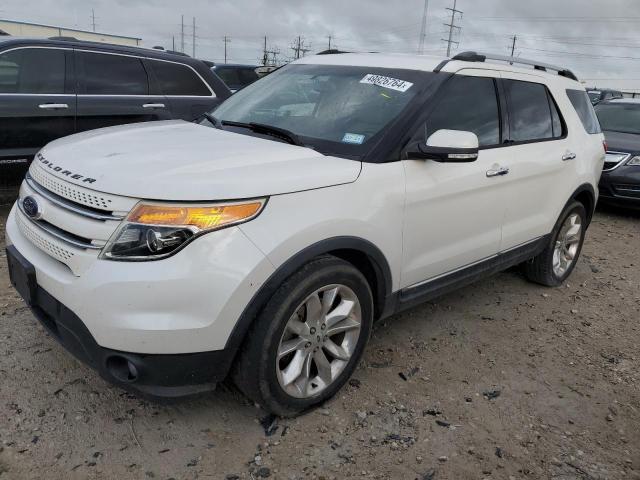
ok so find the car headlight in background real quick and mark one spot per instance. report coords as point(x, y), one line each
point(634, 161)
point(153, 231)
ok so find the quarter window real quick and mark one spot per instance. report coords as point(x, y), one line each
point(581, 102)
point(38, 71)
point(177, 79)
point(106, 74)
point(532, 113)
point(469, 104)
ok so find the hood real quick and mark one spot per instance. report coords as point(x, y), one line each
point(177, 160)
point(622, 142)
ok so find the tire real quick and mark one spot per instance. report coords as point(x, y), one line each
point(288, 320)
point(541, 269)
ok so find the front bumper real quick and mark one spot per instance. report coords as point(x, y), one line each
point(621, 187)
point(160, 327)
point(155, 375)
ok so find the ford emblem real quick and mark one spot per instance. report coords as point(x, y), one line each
point(31, 207)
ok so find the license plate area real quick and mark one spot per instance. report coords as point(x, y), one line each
point(22, 275)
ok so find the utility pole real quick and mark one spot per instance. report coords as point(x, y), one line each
point(93, 19)
point(173, 43)
point(513, 45)
point(194, 37)
point(182, 35)
point(329, 37)
point(452, 26)
point(265, 53)
point(423, 30)
point(226, 41)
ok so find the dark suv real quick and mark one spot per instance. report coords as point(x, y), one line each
point(56, 87)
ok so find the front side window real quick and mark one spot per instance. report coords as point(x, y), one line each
point(38, 71)
point(106, 74)
point(335, 109)
point(530, 112)
point(619, 117)
point(581, 102)
point(469, 104)
point(177, 79)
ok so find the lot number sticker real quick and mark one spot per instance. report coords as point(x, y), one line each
point(353, 138)
point(387, 82)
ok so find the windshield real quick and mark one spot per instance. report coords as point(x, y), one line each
point(619, 117)
point(334, 109)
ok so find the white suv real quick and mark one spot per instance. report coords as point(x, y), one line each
point(265, 240)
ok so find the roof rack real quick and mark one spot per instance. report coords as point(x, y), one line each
point(478, 57)
point(331, 51)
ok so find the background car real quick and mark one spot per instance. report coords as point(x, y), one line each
point(597, 95)
point(236, 76)
point(620, 181)
point(55, 87)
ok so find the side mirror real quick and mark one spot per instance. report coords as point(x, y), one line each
point(446, 146)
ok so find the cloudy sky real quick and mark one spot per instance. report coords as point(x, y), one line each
point(598, 39)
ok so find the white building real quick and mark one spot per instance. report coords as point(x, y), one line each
point(25, 29)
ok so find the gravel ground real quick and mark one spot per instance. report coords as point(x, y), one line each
point(503, 379)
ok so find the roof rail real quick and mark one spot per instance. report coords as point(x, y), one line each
point(481, 57)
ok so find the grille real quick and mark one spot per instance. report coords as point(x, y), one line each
point(57, 252)
point(71, 192)
point(627, 190)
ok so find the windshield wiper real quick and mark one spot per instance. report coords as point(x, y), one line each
point(214, 121)
point(278, 132)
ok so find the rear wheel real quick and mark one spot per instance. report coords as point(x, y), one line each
point(556, 262)
point(308, 339)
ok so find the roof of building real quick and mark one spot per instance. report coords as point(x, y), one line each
point(67, 29)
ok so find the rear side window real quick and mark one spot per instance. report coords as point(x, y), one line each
point(533, 115)
point(178, 79)
point(469, 104)
point(580, 101)
point(106, 74)
point(38, 71)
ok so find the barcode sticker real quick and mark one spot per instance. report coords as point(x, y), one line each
point(387, 82)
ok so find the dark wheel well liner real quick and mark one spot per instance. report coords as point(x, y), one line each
point(364, 255)
point(586, 195)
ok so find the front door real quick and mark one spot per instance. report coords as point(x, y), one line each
point(454, 211)
point(37, 100)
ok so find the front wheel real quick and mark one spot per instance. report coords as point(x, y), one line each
point(308, 339)
point(556, 262)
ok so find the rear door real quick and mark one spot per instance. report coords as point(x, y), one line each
point(188, 95)
point(114, 90)
point(540, 160)
point(37, 99)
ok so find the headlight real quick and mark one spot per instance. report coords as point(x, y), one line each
point(635, 161)
point(153, 231)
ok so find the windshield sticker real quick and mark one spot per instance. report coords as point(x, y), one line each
point(353, 138)
point(387, 82)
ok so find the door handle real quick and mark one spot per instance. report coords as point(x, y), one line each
point(53, 106)
point(153, 105)
point(569, 156)
point(497, 172)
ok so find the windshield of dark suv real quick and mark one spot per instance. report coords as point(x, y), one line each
point(619, 117)
point(334, 109)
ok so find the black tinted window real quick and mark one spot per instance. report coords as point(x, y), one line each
point(177, 79)
point(529, 111)
point(469, 104)
point(237, 77)
point(619, 117)
point(32, 70)
point(107, 74)
point(582, 104)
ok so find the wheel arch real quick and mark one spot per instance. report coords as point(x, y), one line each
point(361, 253)
point(586, 195)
